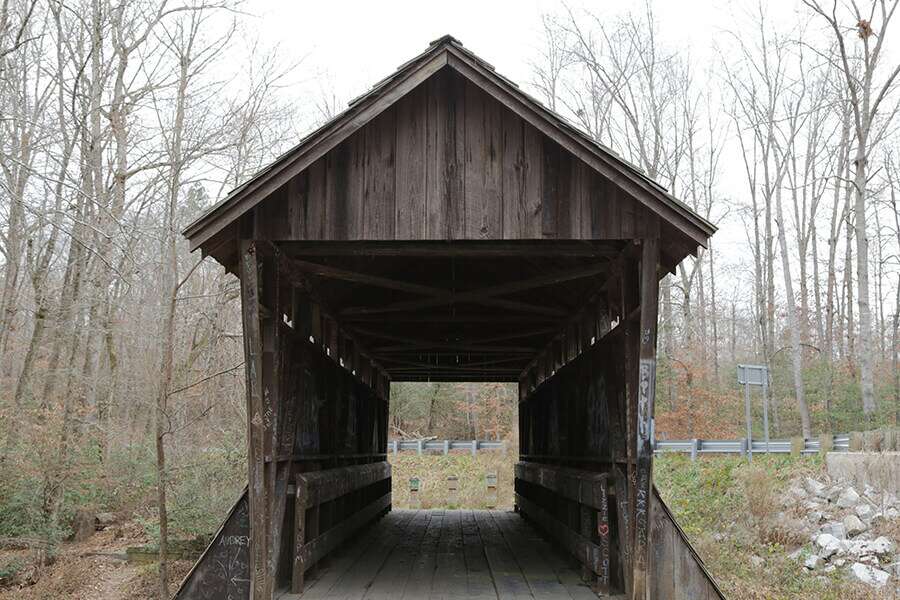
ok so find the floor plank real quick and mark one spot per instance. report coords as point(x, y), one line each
point(448, 555)
point(509, 580)
point(418, 585)
point(391, 580)
point(450, 575)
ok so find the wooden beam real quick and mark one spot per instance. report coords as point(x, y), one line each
point(459, 249)
point(479, 296)
point(470, 342)
point(422, 344)
point(499, 319)
point(646, 394)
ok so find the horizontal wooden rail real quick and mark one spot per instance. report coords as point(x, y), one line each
point(363, 492)
point(572, 506)
point(583, 487)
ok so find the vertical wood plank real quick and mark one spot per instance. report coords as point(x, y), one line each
point(297, 205)
point(624, 527)
point(436, 133)
point(514, 169)
point(483, 165)
point(646, 394)
point(603, 534)
point(550, 189)
point(410, 165)
point(314, 221)
point(455, 155)
point(379, 179)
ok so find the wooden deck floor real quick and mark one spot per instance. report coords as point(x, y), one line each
point(416, 554)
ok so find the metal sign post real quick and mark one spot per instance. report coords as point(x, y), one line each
point(755, 375)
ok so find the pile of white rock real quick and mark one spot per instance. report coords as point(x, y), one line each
point(839, 521)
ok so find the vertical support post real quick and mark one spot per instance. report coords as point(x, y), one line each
point(419, 445)
point(474, 447)
point(624, 526)
point(695, 448)
point(299, 572)
point(749, 422)
point(260, 423)
point(646, 395)
point(630, 301)
point(765, 391)
point(446, 447)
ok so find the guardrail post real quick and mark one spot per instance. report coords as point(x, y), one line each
point(797, 446)
point(695, 448)
point(419, 445)
point(744, 448)
point(474, 447)
point(856, 441)
point(395, 446)
point(826, 443)
point(446, 447)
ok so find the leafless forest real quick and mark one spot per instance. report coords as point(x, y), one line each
point(121, 377)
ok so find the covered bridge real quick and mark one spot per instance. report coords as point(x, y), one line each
point(448, 227)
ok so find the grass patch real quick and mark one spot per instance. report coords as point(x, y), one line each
point(433, 471)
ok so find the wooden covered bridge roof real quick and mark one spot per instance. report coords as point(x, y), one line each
point(511, 216)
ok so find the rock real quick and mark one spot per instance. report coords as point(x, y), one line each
point(853, 525)
point(828, 545)
point(832, 493)
point(757, 561)
point(892, 514)
point(864, 548)
point(104, 520)
point(882, 545)
point(836, 529)
point(814, 487)
point(848, 498)
point(812, 562)
point(864, 511)
point(870, 575)
point(815, 517)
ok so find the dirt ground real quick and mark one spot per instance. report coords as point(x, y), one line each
point(95, 569)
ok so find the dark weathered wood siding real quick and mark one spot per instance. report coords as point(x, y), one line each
point(448, 162)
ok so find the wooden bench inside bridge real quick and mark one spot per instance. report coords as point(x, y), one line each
point(448, 227)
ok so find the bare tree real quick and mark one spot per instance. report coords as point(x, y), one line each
point(860, 69)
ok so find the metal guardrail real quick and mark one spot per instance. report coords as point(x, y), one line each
point(695, 447)
point(443, 446)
